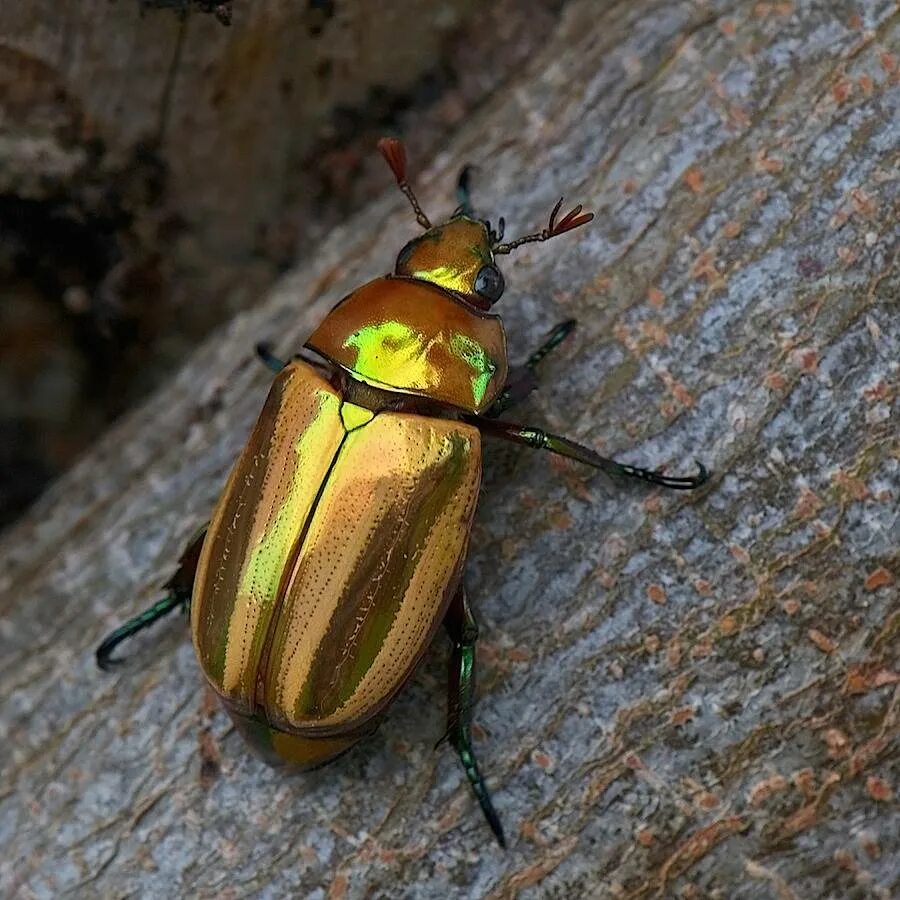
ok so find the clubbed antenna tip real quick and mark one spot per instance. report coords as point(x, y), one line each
point(394, 154)
point(575, 218)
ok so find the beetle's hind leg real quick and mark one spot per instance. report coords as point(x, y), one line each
point(463, 631)
point(178, 594)
point(523, 379)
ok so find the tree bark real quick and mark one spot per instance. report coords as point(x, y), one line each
point(690, 695)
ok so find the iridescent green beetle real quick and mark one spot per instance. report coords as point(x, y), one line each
point(337, 547)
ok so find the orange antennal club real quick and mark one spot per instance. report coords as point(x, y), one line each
point(574, 218)
point(394, 154)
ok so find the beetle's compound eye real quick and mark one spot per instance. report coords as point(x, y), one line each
point(489, 283)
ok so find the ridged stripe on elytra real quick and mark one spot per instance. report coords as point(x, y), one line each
point(371, 581)
point(256, 527)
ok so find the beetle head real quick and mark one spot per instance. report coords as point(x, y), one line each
point(459, 255)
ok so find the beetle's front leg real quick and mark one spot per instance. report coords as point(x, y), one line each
point(178, 589)
point(276, 363)
point(542, 440)
point(523, 379)
point(463, 631)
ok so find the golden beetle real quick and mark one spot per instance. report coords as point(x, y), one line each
point(337, 547)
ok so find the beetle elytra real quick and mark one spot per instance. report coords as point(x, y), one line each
point(337, 548)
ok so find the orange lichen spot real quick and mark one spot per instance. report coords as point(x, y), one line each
point(645, 836)
point(682, 716)
point(837, 742)
point(693, 178)
point(338, 889)
point(655, 332)
point(863, 205)
point(861, 679)
point(763, 163)
point(728, 27)
point(697, 846)
point(705, 266)
point(870, 845)
point(673, 652)
point(652, 504)
point(739, 553)
point(849, 485)
point(561, 520)
point(651, 643)
point(855, 21)
point(657, 594)
point(703, 587)
point(805, 782)
point(633, 761)
point(880, 578)
point(866, 84)
point(768, 787)
point(656, 297)
point(706, 800)
point(808, 504)
point(845, 859)
point(847, 255)
point(701, 649)
point(732, 229)
point(728, 625)
point(878, 789)
point(543, 760)
point(629, 187)
point(841, 89)
point(874, 393)
point(805, 358)
point(518, 654)
point(866, 754)
point(888, 62)
point(821, 640)
point(791, 606)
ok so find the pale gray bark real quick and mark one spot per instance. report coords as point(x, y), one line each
point(680, 695)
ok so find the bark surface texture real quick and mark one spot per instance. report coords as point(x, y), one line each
point(680, 695)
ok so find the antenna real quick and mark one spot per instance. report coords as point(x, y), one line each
point(394, 154)
point(575, 218)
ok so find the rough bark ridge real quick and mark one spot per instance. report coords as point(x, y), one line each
point(688, 696)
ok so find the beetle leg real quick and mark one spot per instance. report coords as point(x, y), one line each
point(463, 631)
point(541, 440)
point(276, 363)
point(523, 379)
point(463, 193)
point(179, 594)
point(268, 358)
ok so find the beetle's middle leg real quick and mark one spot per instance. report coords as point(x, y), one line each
point(178, 593)
point(463, 631)
point(523, 379)
point(542, 440)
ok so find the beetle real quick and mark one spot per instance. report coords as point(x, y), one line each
point(337, 548)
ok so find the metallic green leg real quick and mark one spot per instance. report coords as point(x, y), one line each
point(463, 192)
point(523, 379)
point(179, 594)
point(542, 440)
point(268, 358)
point(276, 364)
point(463, 631)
